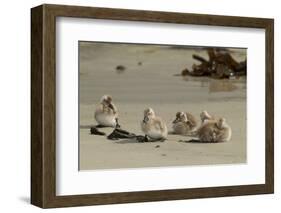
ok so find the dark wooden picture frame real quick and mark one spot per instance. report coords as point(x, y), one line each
point(43, 105)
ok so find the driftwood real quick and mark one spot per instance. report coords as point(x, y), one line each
point(220, 65)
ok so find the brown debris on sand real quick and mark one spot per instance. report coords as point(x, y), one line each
point(117, 134)
point(120, 69)
point(95, 131)
point(120, 134)
point(220, 65)
point(185, 72)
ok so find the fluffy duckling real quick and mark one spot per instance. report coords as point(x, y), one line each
point(153, 126)
point(184, 123)
point(214, 131)
point(223, 132)
point(106, 113)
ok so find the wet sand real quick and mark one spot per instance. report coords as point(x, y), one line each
point(148, 81)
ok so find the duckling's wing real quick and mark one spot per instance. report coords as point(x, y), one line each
point(191, 120)
point(223, 134)
point(99, 109)
point(159, 124)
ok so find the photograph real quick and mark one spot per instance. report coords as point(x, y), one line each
point(161, 105)
point(170, 105)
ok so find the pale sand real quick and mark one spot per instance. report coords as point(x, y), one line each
point(153, 85)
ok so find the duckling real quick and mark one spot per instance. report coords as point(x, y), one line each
point(223, 132)
point(153, 126)
point(214, 131)
point(184, 123)
point(106, 113)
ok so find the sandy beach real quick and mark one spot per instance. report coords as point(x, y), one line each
point(149, 80)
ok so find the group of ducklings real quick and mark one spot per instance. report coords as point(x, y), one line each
point(211, 129)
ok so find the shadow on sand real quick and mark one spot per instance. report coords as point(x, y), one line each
point(197, 141)
point(134, 140)
point(127, 141)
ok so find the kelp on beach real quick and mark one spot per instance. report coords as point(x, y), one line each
point(220, 65)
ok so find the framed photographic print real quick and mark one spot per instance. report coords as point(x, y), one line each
point(136, 106)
